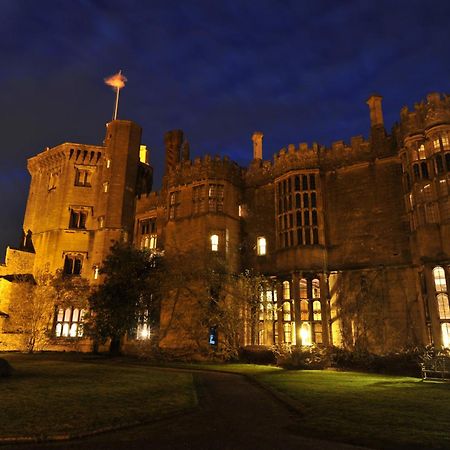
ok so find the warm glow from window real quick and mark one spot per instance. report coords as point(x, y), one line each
point(439, 279)
point(445, 327)
point(261, 246)
point(96, 272)
point(444, 310)
point(315, 288)
point(286, 311)
point(305, 334)
point(143, 331)
point(303, 288)
point(214, 242)
point(286, 290)
point(317, 313)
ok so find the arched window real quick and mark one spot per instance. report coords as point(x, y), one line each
point(305, 334)
point(214, 242)
point(261, 246)
point(439, 279)
point(304, 311)
point(316, 288)
point(445, 328)
point(286, 290)
point(287, 311)
point(444, 310)
point(261, 311)
point(287, 333)
point(317, 310)
point(303, 288)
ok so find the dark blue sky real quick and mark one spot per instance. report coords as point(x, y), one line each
point(297, 70)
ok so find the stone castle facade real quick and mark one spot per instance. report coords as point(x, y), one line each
point(354, 239)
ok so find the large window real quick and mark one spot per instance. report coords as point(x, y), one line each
point(69, 322)
point(297, 210)
point(215, 197)
point(148, 236)
point(310, 311)
point(440, 284)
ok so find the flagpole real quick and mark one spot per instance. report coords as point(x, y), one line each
point(117, 104)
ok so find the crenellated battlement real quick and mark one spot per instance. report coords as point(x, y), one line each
point(433, 111)
point(56, 156)
point(207, 167)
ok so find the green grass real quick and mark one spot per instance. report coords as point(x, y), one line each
point(367, 409)
point(54, 394)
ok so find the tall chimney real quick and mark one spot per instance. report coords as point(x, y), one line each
point(172, 142)
point(257, 138)
point(376, 112)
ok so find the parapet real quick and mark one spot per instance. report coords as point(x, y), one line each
point(435, 110)
point(205, 168)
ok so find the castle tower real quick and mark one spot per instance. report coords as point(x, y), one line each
point(82, 199)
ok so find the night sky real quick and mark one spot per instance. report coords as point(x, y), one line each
point(300, 71)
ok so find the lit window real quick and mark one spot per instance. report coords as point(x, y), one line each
point(315, 288)
point(96, 272)
point(105, 186)
point(287, 333)
point(69, 322)
point(317, 313)
point(143, 328)
point(304, 311)
point(286, 290)
point(215, 197)
point(305, 334)
point(303, 288)
point(261, 246)
point(422, 152)
point(439, 279)
point(214, 242)
point(101, 221)
point(445, 142)
point(108, 163)
point(287, 311)
point(436, 144)
point(261, 311)
point(444, 310)
point(445, 328)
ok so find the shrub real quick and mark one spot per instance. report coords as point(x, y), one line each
point(310, 358)
point(257, 354)
point(5, 368)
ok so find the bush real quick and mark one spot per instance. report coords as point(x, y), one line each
point(5, 368)
point(404, 362)
point(257, 354)
point(310, 358)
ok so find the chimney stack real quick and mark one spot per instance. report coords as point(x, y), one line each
point(257, 139)
point(376, 112)
point(172, 141)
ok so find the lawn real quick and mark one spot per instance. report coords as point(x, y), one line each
point(367, 409)
point(57, 394)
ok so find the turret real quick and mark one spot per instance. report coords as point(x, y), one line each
point(257, 139)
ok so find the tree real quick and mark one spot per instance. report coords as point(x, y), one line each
point(129, 291)
point(33, 305)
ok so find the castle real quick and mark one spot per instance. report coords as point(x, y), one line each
point(355, 239)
